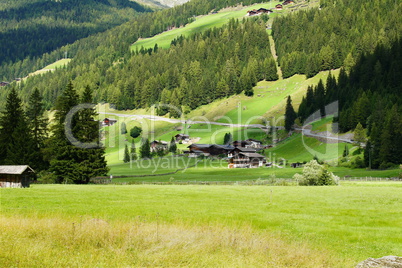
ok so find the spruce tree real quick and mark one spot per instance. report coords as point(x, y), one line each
point(290, 114)
point(126, 154)
point(145, 149)
point(359, 135)
point(59, 151)
point(9, 122)
point(133, 151)
point(91, 156)
point(79, 162)
point(172, 146)
point(227, 139)
point(16, 142)
point(36, 120)
point(345, 151)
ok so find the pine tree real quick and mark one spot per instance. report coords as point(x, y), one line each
point(227, 139)
point(172, 146)
point(16, 142)
point(37, 122)
point(319, 97)
point(345, 151)
point(133, 151)
point(91, 159)
point(85, 159)
point(145, 149)
point(126, 154)
point(359, 134)
point(290, 114)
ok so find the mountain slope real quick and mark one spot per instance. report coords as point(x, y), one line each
point(29, 29)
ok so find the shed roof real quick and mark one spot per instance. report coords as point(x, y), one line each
point(15, 170)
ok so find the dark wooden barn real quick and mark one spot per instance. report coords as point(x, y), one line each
point(16, 176)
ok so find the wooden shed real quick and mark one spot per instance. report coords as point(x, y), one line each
point(16, 176)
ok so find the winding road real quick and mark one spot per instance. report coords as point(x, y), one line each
point(305, 131)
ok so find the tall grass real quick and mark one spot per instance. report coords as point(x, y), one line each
point(247, 226)
point(36, 242)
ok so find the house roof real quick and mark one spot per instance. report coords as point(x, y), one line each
point(253, 155)
point(244, 149)
point(199, 145)
point(226, 147)
point(254, 140)
point(15, 170)
point(160, 142)
point(182, 135)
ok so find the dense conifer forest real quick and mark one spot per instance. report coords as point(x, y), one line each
point(30, 30)
point(334, 35)
point(370, 96)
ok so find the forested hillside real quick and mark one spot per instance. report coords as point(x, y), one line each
point(93, 56)
point(335, 34)
point(370, 96)
point(32, 28)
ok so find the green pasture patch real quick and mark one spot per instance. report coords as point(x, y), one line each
point(201, 24)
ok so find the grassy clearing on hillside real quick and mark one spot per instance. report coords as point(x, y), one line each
point(51, 67)
point(322, 125)
point(201, 24)
point(296, 149)
point(70, 225)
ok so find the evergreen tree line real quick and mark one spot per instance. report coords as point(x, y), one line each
point(369, 95)
point(334, 35)
point(194, 71)
point(41, 27)
point(94, 55)
point(26, 138)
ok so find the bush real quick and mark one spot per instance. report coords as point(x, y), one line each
point(386, 165)
point(358, 163)
point(45, 177)
point(315, 174)
point(357, 151)
point(135, 132)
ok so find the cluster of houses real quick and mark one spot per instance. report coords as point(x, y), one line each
point(256, 12)
point(164, 145)
point(287, 2)
point(260, 11)
point(240, 154)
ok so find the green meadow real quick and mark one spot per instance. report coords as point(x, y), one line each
point(51, 67)
point(216, 170)
point(201, 24)
point(208, 226)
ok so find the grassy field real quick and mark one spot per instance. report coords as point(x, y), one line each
point(201, 24)
point(51, 67)
point(296, 149)
point(203, 226)
point(217, 170)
